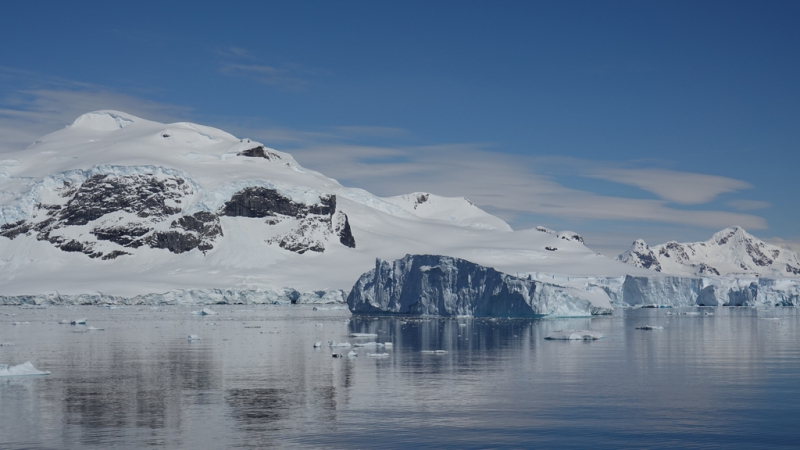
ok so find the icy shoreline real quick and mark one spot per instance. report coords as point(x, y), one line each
point(184, 297)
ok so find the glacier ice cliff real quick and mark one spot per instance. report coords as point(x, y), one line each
point(446, 286)
point(183, 297)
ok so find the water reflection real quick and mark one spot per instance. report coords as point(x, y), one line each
point(255, 380)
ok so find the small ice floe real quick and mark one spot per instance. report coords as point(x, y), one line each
point(193, 337)
point(708, 314)
point(204, 312)
point(368, 345)
point(337, 355)
point(319, 325)
point(462, 324)
point(63, 322)
point(434, 352)
point(649, 327)
point(318, 344)
point(339, 344)
point(319, 308)
point(670, 314)
point(22, 370)
point(6, 344)
point(363, 335)
point(78, 321)
point(575, 335)
point(21, 323)
point(352, 354)
point(388, 345)
point(377, 355)
point(691, 313)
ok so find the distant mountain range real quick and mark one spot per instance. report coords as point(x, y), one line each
point(120, 205)
point(731, 251)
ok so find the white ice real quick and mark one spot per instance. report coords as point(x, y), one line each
point(22, 370)
point(575, 335)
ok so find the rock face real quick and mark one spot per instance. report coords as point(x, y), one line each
point(445, 286)
point(106, 215)
point(731, 251)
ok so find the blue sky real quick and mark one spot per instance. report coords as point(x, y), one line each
point(618, 120)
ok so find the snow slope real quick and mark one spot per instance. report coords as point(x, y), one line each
point(731, 251)
point(116, 205)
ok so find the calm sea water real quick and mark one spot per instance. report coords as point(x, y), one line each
point(729, 380)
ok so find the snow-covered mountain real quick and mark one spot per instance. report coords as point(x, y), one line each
point(731, 251)
point(124, 206)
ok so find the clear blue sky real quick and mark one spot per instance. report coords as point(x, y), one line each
point(662, 120)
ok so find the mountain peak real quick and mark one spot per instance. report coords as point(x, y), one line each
point(104, 120)
point(731, 251)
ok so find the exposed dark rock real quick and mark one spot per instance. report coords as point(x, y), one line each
point(705, 269)
point(174, 241)
point(345, 235)
point(143, 195)
point(203, 222)
point(261, 202)
point(758, 256)
point(421, 198)
point(12, 230)
point(259, 152)
point(124, 236)
point(72, 246)
point(792, 270)
point(552, 249)
point(114, 254)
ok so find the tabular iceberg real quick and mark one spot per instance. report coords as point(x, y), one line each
point(446, 286)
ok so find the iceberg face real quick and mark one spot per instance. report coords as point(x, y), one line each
point(446, 286)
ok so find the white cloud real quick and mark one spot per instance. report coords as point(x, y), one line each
point(678, 187)
point(748, 205)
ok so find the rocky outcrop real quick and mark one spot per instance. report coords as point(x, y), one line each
point(445, 286)
point(731, 251)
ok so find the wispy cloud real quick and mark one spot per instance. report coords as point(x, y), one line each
point(512, 185)
point(26, 113)
point(748, 205)
point(240, 62)
point(685, 188)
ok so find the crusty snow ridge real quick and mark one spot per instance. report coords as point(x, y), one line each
point(445, 286)
point(731, 251)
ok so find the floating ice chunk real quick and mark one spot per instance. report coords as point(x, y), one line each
point(708, 314)
point(339, 344)
point(6, 344)
point(363, 335)
point(575, 335)
point(94, 329)
point(319, 308)
point(388, 345)
point(337, 355)
point(318, 344)
point(204, 312)
point(319, 325)
point(63, 322)
point(352, 354)
point(79, 321)
point(440, 352)
point(368, 345)
point(649, 327)
point(427, 352)
point(22, 370)
point(21, 323)
point(377, 355)
point(693, 314)
point(193, 337)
